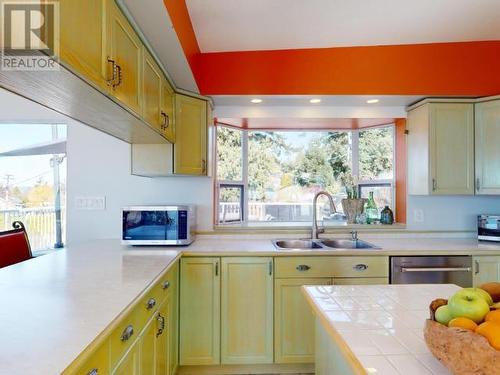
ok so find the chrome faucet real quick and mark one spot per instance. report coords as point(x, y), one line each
point(354, 235)
point(315, 230)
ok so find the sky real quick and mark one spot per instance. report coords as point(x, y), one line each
point(26, 170)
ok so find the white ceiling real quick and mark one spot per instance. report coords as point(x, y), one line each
point(238, 25)
point(326, 100)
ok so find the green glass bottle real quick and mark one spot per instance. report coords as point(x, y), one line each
point(372, 215)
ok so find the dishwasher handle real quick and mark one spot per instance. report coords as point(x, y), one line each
point(436, 269)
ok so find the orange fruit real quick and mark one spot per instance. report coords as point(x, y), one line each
point(490, 330)
point(463, 323)
point(493, 316)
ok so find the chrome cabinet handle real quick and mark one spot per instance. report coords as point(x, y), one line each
point(151, 303)
point(434, 184)
point(165, 285)
point(435, 269)
point(478, 184)
point(119, 74)
point(94, 371)
point(303, 267)
point(360, 267)
point(216, 268)
point(270, 268)
point(477, 267)
point(111, 82)
point(203, 166)
point(166, 121)
point(127, 333)
point(161, 324)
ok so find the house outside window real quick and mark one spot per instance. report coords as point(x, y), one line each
point(272, 176)
point(33, 182)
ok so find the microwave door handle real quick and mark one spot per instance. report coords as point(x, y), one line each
point(436, 269)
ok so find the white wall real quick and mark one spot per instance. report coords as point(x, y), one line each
point(450, 213)
point(99, 165)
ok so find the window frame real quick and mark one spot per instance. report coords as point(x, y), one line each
point(243, 183)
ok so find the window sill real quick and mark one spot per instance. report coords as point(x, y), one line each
point(298, 227)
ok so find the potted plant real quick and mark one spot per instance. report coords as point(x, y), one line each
point(353, 205)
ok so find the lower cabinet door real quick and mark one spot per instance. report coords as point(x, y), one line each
point(130, 364)
point(147, 345)
point(247, 310)
point(294, 321)
point(162, 335)
point(486, 269)
point(199, 341)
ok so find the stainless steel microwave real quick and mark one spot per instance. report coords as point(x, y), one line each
point(488, 228)
point(158, 225)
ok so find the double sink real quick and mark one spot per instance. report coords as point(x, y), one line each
point(322, 244)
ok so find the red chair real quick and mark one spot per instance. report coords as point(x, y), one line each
point(14, 245)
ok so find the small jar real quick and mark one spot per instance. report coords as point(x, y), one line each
point(387, 216)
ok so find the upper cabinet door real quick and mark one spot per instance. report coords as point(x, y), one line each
point(82, 38)
point(488, 147)
point(124, 59)
point(247, 310)
point(167, 111)
point(452, 148)
point(152, 79)
point(190, 150)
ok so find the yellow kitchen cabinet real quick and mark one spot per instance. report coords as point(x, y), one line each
point(190, 149)
point(173, 318)
point(95, 362)
point(486, 269)
point(152, 81)
point(83, 38)
point(124, 60)
point(163, 332)
point(167, 111)
point(130, 363)
point(487, 127)
point(147, 348)
point(247, 310)
point(199, 342)
point(441, 149)
point(294, 321)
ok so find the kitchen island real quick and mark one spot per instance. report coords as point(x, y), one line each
point(374, 329)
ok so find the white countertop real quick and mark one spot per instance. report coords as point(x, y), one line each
point(382, 325)
point(54, 306)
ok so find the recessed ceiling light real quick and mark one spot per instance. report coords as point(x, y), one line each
point(256, 101)
point(372, 101)
point(315, 101)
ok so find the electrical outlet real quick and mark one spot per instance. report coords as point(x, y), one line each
point(418, 216)
point(90, 203)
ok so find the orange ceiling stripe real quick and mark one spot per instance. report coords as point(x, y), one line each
point(468, 69)
point(181, 21)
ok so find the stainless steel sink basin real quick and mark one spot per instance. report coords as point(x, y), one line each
point(297, 244)
point(347, 244)
point(324, 244)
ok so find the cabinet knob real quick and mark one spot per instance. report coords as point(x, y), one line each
point(165, 285)
point(127, 333)
point(360, 267)
point(303, 267)
point(151, 303)
point(94, 371)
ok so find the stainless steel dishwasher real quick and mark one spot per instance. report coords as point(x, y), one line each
point(432, 270)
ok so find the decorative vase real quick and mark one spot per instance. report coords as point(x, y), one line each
point(353, 208)
point(387, 216)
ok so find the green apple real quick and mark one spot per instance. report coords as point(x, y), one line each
point(443, 315)
point(468, 303)
point(483, 293)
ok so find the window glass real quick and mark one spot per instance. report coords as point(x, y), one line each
point(230, 203)
point(229, 154)
point(33, 181)
point(376, 148)
point(286, 169)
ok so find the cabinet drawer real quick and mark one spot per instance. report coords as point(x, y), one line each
point(335, 266)
point(148, 304)
point(124, 335)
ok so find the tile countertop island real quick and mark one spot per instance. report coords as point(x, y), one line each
point(374, 329)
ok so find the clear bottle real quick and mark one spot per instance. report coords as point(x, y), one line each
point(371, 210)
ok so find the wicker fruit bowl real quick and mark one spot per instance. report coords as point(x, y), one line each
point(462, 351)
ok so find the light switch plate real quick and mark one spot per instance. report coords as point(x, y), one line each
point(90, 203)
point(418, 216)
